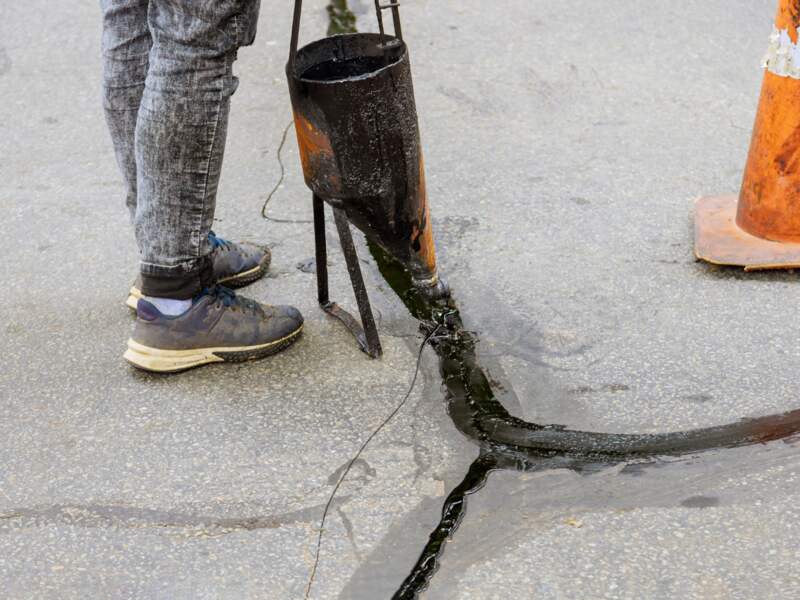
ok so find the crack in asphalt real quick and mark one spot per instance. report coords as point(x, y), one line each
point(127, 517)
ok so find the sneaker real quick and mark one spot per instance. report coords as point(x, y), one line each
point(219, 327)
point(235, 265)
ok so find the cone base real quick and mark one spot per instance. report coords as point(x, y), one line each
point(720, 241)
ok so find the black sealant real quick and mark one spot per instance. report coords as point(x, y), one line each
point(507, 442)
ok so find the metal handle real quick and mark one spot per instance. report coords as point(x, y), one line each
point(298, 9)
point(394, 5)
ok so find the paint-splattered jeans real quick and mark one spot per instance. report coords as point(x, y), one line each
point(167, 83)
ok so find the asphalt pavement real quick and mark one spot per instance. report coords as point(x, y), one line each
point(565, 143)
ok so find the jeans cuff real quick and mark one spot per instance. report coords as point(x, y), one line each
point(181, 282)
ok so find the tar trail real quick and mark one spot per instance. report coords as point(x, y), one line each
point(345, 176)
point(507, 442)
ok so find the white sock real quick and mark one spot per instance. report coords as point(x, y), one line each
point(168, 306)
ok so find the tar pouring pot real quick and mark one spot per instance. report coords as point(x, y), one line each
point(357, 131)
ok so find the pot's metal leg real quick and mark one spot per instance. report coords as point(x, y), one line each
point(370, 343)
point(367, 336)
point(321, 251)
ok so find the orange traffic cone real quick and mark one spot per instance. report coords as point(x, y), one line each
point(763, 231)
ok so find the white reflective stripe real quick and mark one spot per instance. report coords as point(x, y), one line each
point(783, 55)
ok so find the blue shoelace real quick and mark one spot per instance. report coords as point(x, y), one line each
point(228, 298)
point(217, 242)
point(222, 294)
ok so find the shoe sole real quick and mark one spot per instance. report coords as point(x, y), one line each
point(156, 360)
point(235, 281)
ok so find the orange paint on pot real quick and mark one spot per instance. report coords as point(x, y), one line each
point(312, 143)
point(424, 235)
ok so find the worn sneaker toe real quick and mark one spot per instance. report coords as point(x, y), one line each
point(286, 320)
point(237, 265)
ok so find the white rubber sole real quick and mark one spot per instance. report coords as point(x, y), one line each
point(133, 298)
point(244, 277)
point(173, 361)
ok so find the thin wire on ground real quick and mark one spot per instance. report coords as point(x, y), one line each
point(280, 180)
point(358, 454)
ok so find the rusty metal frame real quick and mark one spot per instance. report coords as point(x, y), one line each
point(366, 332)
point(394, 5)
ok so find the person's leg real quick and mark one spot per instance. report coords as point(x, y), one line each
point(180, 138)
point(125, 52)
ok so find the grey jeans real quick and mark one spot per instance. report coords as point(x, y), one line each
point(167, 83)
